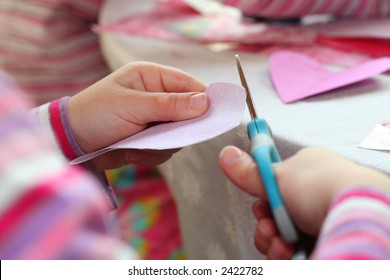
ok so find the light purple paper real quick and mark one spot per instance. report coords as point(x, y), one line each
point(227, 106)
point(297, 76)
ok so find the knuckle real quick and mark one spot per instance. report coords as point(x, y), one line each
point(167, 103)
point(245, 172)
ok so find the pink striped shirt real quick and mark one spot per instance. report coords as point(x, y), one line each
point(48, 47)
point(48, 210)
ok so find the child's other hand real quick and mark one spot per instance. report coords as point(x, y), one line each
point(308, 181)
point(125, 102)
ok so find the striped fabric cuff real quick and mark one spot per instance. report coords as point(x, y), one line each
point(56, 113)
point(59, 121)
point(356, 226)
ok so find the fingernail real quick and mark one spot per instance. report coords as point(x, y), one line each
point(230, 155)
point(198, 101)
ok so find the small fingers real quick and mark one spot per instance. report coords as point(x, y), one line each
point(110, 160)
point(118, 158)
point(279, 250)
point(152, 77)
point(179, 106)
point(148, 157)
point(268, 241)
point(147, 107)
point(261, 210)
point(265, 231)
point(151, 93)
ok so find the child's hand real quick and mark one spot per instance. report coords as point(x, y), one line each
point(308, 181)
point(125, 102)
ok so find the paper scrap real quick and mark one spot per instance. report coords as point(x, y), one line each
point(227, 106)
point(297, 76)
point(378, 139)
point(212, 7)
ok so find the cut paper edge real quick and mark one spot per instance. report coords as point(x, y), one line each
point(377, 139)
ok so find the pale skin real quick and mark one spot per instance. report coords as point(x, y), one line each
point(308, 181)
point(125, 102)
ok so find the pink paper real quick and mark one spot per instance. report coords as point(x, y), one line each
point(227, 106)
point(297, 76)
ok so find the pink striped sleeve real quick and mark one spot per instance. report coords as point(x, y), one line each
point(48, 46)
point(48, 210)
point(357, 226)
point(54, 118)
point(59, 131)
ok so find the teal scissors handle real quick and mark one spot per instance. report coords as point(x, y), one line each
point(265, 153)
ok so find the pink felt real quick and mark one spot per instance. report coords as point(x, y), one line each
point(296, 76)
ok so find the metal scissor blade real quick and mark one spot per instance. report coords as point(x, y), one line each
point(249, 101)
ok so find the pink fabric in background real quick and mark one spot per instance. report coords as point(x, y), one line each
point(296, 76)
point(48, 48)
point(297, 8)
point(173, 21)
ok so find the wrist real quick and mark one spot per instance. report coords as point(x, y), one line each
point(60, 125)
point(364, 176)
point(79, 116)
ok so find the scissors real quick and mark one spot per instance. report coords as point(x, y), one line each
point(265, 153)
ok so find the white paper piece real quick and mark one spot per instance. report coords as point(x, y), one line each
point(212, 7)
point(378, 139)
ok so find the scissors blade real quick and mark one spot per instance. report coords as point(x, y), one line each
point(249, 101)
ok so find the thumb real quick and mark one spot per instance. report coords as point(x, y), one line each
point(163, 106)
point(242, 171)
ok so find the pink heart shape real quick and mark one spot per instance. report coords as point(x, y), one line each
point(296, 76)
